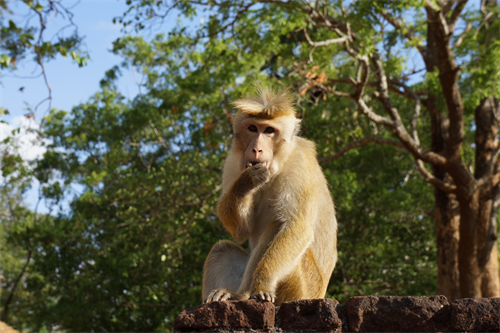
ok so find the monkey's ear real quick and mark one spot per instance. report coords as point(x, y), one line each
point(296, 130)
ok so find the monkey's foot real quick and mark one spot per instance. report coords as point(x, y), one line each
point(222, 294)
point(264, 296)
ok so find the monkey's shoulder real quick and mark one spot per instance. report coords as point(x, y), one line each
point(302, 167)
point(304, 157)
point(305, 146)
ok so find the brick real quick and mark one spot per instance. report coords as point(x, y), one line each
point(398, 314)
point(475, 315)
point(249, 314)
point(311, 314)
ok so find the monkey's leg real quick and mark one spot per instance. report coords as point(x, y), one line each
point(305, 281)
point(224, 268)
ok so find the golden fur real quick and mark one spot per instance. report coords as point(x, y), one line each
point(288, 218)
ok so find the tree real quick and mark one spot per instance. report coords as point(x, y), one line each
point(133, 244)
point(447, 41)
point(128, 253)
point(23, 37)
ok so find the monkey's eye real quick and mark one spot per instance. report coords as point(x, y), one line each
point(252, 128)
point(269, 130)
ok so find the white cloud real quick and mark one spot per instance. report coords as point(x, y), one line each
point(5, 130)
point(29, 144)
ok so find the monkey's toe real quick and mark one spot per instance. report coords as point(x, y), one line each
point(219, 295)
point(264, 296)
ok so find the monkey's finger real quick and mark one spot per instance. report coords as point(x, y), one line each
point(210, 297)
point(218, 295)
point(261, 295)
point(226, 296)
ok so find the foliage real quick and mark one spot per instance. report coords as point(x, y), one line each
point(19, 40)
point(129, 253)
point(22, 231)
point(23, 37)
point(151, 169)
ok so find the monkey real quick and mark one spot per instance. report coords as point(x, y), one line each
point(275, 195)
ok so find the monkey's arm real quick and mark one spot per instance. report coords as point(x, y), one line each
point(235, 206)
point(233, 212)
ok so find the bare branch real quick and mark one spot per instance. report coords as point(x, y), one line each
point(375, 84)
point(360, 143)
point(460, 39)
point(396, 23)
point(383, 89)
point(340, 93)
point(448, 77)
point(310, 60)
point(446, 5)
point(484, 23)
point(373, 116)
point(397, 126)
point(14, 287)
point(429, 178)
point(323, 43)
point(455, 15)
point(320, 19)
point(416, 112)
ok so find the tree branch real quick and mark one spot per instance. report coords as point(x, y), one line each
point(12, 291)
point(429, 178)
point(397, 126)
point(359, 143)
point(416, 111)
point(460, 39)
point(323, 43)
point(455, 14)
point(396, 23)
point(448, 77)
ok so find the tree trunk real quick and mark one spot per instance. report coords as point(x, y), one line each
point(446, 212)
point(446, 217)
point(478, 249)
point(477, 230)
point(447, 221)
point(470, 272)
point(486, 147)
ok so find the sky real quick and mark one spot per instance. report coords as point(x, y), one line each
point(70, 84)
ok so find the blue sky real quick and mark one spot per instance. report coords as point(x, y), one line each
point(70, 84)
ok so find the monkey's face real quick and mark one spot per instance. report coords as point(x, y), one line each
point(257, 140)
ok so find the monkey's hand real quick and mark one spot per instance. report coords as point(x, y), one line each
point(222, 294)
point(264, 296)
point(253, 177)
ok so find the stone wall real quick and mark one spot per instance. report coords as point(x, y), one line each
point(359, 314)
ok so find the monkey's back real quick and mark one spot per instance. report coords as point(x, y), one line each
point(324, 244)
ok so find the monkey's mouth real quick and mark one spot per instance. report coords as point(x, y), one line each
point(250, 164)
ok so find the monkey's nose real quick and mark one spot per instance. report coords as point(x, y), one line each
point(257, 152)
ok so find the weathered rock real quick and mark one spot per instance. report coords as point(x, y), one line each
point(310, 314)
point(475, 315)
point(398, 314)
point(251, 314)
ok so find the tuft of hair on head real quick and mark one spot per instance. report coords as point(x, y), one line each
point(266, 103)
